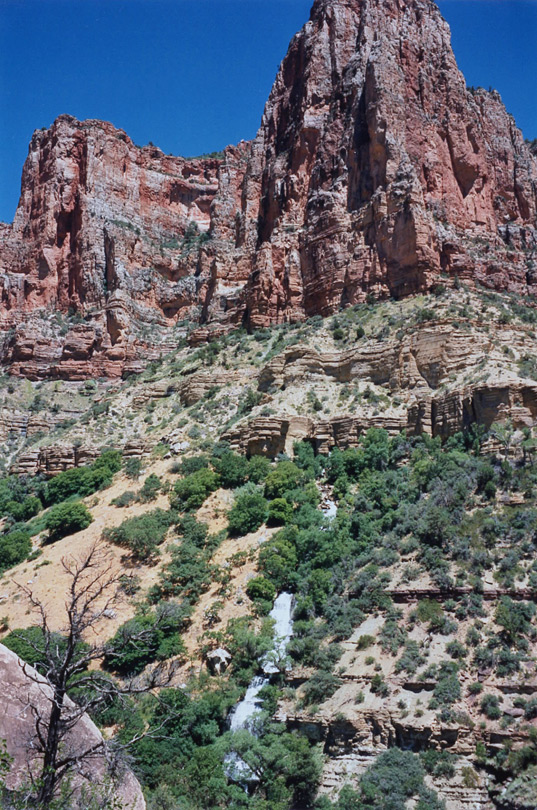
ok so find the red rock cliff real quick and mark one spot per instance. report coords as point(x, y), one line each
point(375, 169)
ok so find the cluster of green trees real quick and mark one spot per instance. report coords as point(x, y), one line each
point(23, 498)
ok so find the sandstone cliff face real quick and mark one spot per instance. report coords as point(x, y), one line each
point(107, 231)
point(374, 170)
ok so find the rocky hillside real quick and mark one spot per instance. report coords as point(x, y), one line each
point(404, 527)
point(374, 171)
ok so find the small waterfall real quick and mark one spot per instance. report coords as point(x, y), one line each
point(242, 716)
point(283, 628)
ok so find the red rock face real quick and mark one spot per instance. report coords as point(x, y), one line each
point(111, 232)
point(376, 168)
point(374, 171)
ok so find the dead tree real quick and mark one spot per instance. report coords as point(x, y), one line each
point(66, 663)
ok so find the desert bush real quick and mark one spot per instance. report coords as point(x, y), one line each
point(490, 706)
point(392, 637)
point(14, 548)
point(146, 638)
point(133, 467)
point(247, 514)
point(67, 518)
point(364, 642)
point(191, 492)
point(439, 763)
point(125, 499)
point(514, 618)
point(410, 659)
point(320, 687)
point(141, 534)
point(150, 489)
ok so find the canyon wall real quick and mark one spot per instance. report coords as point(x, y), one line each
point(375, 171)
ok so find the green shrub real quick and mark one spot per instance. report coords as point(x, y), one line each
point(284, 478)
point(191, 464)
point(141, 534)
point(67, 518)
point(280, 512)
point(147, 638)
point(14, 548)
point(150, 489)
point(84, 481)
point(393, 778)
point(30, 507)
point(320, 687)
point(193, 531)
point(247, 514)
point(278, 561)
point(191, 492)
point(260, 589)
point(258, 469)
point(232, 469)
point(30, 643)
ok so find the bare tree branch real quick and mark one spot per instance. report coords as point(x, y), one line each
point(64, 660)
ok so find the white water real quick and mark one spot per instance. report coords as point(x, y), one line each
point(283, 630)
point(329, 508)
point(243, 713)
point(243, 716)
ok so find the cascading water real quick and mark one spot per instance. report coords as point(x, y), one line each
point(241, 716)
point(244, 714)
point(281, 612)
point(329, 509)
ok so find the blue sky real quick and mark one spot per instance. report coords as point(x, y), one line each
point(193, 75)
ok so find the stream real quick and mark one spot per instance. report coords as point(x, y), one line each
point(243, 715)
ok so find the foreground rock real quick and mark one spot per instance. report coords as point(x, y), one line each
point(21, 692)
